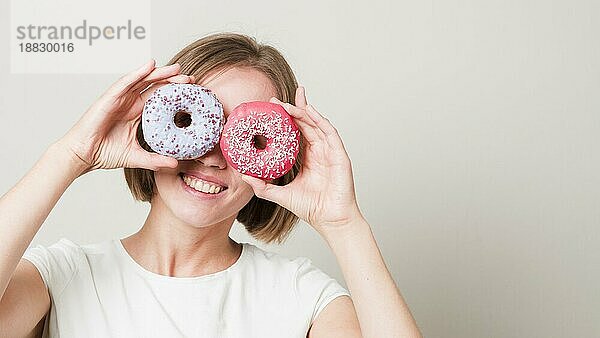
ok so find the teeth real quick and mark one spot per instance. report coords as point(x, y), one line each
point(200, 185)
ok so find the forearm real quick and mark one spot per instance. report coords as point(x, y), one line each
point(380, 308)
point(26, 205)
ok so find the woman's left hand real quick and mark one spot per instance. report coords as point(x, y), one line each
point(322, 194)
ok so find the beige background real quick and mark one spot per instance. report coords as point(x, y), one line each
point(472, 126)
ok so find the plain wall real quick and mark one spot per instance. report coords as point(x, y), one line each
point(473, 130)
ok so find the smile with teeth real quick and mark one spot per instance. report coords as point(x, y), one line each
point(200, 185)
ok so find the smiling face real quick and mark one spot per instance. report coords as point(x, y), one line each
point(200, 209)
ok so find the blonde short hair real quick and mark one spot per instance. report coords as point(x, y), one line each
point(265, 220)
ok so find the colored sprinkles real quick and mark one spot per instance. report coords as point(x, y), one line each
point(207, 123)
point(193, 141)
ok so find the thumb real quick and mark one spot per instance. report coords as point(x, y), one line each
point(161, 161)
point(152, 161)
point(267, 191)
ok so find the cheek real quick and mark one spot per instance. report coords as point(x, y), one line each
point(244, 197)
point(244, 189)
point(165, 180)
point(245, 192)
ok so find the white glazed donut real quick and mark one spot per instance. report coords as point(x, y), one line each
point(193, 141)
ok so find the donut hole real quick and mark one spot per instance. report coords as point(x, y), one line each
point(260, 142)
point(182, 119)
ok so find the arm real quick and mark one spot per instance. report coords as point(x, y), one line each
point(24, 299)
point(381, 309)
point(337, 320)
point(24, 208)
point(323, 195)
point(375, 297)
point(101, 139)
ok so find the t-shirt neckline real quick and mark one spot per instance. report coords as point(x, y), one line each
point(129, 261)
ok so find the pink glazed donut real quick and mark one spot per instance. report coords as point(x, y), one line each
point(251, 119)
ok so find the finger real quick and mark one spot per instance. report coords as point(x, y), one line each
point(158, 74)
point(153, 161)
point(268, 191)
point(331, 134)
point(307, 126)
point(131, 78)
point(297, 113)
point(180, 78)
point(148, 91)
point(300, 97)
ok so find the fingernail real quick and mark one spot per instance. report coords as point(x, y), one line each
point(151, 61)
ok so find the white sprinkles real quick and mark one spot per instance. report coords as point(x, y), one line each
point(283, 136)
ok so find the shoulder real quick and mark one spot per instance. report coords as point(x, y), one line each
point(63, 252)
point(299, 267)
point(312, 287)
point(267, 260)
point(57, 263)
point(61, 261)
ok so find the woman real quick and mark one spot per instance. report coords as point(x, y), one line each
point(181, 274)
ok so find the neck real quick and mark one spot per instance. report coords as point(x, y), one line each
point(166, 246)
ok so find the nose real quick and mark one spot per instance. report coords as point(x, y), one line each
point(213, 158)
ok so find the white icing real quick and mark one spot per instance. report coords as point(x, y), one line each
point(193, 141)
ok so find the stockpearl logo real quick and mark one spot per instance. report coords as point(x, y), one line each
point(68, 36)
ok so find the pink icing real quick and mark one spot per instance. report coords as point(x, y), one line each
point(275, 124)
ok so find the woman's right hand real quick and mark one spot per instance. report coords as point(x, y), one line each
point(105, 136)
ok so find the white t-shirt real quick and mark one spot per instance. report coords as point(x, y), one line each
point(98, 290)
